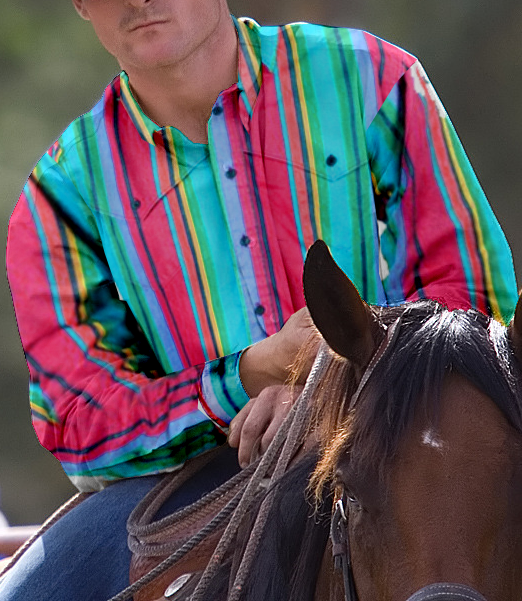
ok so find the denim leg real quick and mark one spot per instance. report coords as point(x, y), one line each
point(84, 556)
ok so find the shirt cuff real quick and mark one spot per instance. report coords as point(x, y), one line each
point(222, 394)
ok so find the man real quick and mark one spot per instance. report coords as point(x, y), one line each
point(165, 232)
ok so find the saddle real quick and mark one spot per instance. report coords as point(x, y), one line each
point(191, 534)
point(210, 545)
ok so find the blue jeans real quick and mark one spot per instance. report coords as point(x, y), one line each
point(84, 556)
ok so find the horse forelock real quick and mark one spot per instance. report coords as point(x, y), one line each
point(432, 343)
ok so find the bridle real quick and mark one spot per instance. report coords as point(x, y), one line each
point(341, 549)
point(339, 524)
point(339, 531)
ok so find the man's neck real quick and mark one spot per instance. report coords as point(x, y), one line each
point(183, 95)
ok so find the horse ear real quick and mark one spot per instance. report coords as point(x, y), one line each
point(343, 318)
point(515, 330)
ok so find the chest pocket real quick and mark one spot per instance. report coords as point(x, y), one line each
point(139, 240)
point(316, 193)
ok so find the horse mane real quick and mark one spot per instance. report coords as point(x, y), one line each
point(432, 342)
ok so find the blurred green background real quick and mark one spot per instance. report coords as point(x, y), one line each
point(52, 69)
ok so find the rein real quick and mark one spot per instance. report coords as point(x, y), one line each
point(255, 480)
point(266, 472)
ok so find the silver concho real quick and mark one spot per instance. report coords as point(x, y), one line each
point(177, 585)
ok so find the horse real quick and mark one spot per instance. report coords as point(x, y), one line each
point(427, 449)
point(410, 486)
point(417, 430)
point(419, 423)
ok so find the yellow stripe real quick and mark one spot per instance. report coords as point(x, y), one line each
point(199, 256)
point(78, 272)
point(251, 52)
point(307, 132)
point(480, 238)
point(42, 412)
point(101, 331)
point(133, 107)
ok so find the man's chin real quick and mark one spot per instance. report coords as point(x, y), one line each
point(150, 61)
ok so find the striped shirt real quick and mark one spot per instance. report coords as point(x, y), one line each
point(142, 263)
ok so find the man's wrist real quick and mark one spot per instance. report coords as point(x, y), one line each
point(261, 365)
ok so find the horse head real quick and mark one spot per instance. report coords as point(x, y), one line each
point(426, 453)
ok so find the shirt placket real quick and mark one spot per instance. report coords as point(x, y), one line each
point(232, 176)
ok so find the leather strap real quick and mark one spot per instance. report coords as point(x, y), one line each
point(339, 524)
point(341, 549)
point(392, 331)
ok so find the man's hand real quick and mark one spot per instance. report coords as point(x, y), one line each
point(268, 362)
point(264, 368)
point(254, 427)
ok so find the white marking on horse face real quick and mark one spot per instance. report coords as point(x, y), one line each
point(431, 439)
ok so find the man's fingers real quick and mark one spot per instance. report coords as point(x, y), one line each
point(255, 451)
point(255, 426)
point(236, 425)
point(270, 433)
point(252, 431)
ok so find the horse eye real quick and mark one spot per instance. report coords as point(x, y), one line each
point(353, 500)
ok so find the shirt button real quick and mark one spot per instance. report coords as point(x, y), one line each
point(331, 160)
point(231, 173)
point(217, 110)
point(245, 240)
point(259, 310)
point(136, 204)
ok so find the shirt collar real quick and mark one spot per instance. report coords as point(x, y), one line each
point(145, 126)
point(249, 81)
point(250, 66)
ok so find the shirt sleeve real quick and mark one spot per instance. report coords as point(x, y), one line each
point(100, 400)
point(441, 240)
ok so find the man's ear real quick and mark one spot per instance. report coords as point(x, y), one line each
point(81, 10)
